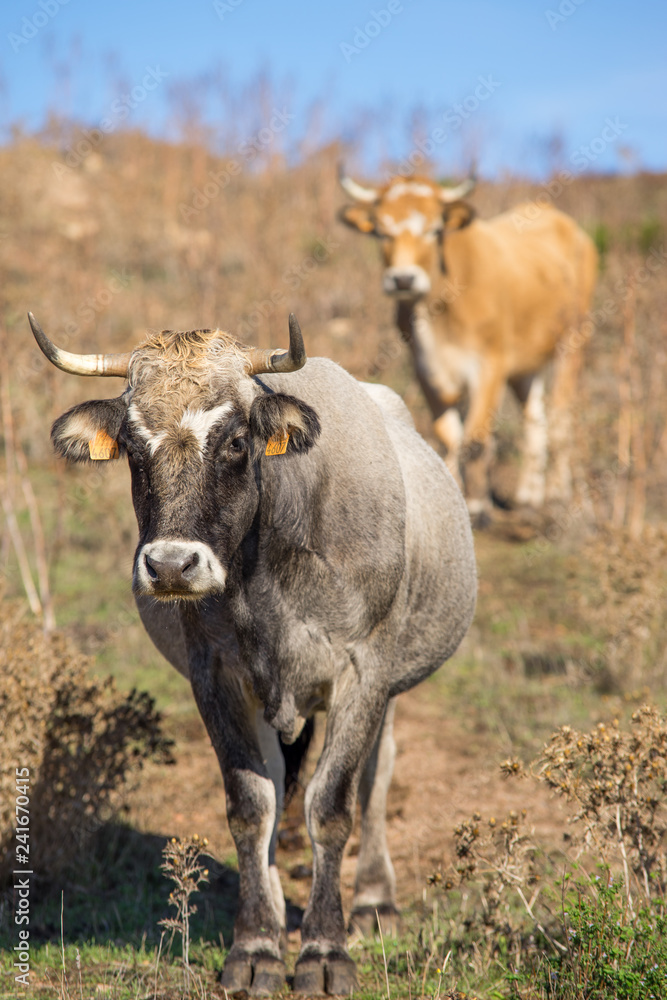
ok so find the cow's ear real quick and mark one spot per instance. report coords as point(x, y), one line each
point(357, 217)
point(276, 415)
point(458, 215)
point(89, 432)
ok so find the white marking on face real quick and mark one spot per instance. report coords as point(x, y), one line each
point(198, 421)
point(409, 187)
point(152, 439)
point(414, 223)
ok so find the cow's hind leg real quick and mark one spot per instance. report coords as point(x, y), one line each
point(353, 724)
point(250, 758)
point(375, 885)
point(478, 441)
point(530, 392)
point(563, 399)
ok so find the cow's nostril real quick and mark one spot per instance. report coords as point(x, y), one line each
point(190, 563)
point(150, 568)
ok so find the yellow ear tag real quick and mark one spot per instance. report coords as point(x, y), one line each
point(102, 447)
point(277, 444)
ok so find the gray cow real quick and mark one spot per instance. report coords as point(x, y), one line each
point(300, 549)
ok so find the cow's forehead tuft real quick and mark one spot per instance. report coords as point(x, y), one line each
point(410, 221)
point(417, 189)
point(173, 371)
point(188, 351)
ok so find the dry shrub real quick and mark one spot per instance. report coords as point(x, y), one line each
point(182, 863)
point(547, 924)
point(617, 782)
point(499, 871)
point(80, 738)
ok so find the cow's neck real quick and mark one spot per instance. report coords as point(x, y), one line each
point(415, 322)
point(405, 312)
point(442, 366)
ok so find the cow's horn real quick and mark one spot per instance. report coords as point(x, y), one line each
point(80, 364)
point(462, 190)
point(280, 361)
point(355, 190)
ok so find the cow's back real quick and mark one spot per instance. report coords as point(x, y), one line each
point(441, 573)
point(527, 279)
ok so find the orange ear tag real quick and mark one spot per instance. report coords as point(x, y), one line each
point(102, 447)
point(277, 444)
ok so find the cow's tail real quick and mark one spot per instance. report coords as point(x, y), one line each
point(295, 755)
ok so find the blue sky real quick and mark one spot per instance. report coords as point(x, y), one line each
point(591, 73)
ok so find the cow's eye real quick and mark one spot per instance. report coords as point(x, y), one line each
point(237, 445)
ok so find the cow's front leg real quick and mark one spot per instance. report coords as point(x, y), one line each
point(375, 884)
point(249, 756)
point(449, 430)
point(353, 722)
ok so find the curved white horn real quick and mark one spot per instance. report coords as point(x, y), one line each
point(356, 191)
point(80, 364)
point(462, 190)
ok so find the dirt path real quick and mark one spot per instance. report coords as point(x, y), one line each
point(442, 775)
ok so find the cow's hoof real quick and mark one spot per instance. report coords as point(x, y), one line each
point(341, 975)
point(260, 974)
point(309, 975)
point(480, 519)
point(366, 920)
point(334, 973)
point(268, 976)
point(237, 973)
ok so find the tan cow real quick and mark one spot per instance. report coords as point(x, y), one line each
point(484, 303)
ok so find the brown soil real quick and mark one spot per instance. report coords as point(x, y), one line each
point(443, 774)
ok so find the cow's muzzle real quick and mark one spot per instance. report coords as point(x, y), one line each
point(172, 570)
point(407, 282)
